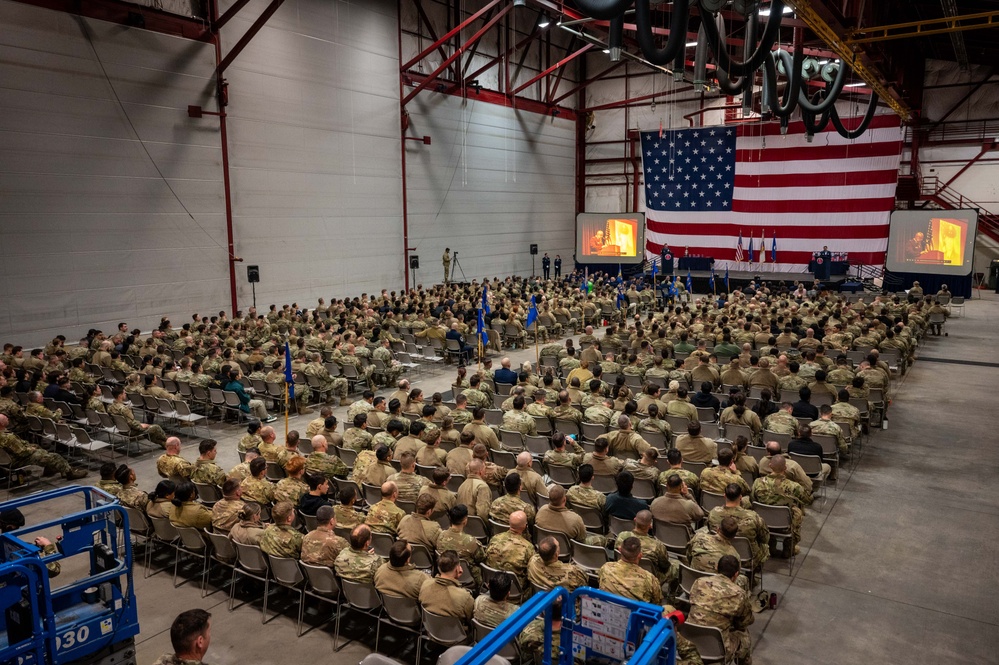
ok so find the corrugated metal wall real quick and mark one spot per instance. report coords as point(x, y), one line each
point(493, 181)
point(314, 150)
point(91, 115)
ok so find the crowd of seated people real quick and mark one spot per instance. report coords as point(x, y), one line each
point(609, 443)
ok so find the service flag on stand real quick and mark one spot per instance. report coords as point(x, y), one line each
point(690, 282)
point(750, 249)
point(483, 335)
point(727, 290)
point(485, 301)
point(705, 186)
point(773, 249)
point(289, 377)
point(712, 280)
point(763, 248)
point(532, 313)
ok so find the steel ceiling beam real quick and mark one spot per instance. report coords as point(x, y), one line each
point(561, 63)
point(908, 30)
point(451, 33)
point(250, 34)
point(229, 14)
point(498, 59)
point(425, 19)
point(583, 84)
point(457, 54)
point(959, 103)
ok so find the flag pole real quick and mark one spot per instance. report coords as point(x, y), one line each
point(286, 410)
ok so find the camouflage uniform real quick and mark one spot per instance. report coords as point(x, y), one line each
point(191, 514)
point(290, 489)
point(347, 516)
point(112, 487)
point(631, 581)
point(844, 412)
point(248, 441)
point(461, 416)
point(833, 429)
point(383, 439)
point(132, 496)
point(446, 499)
point(358, 407)
point(269, 451)
point(240, 472)
point(326, 464)
point(225, 514)
point(716, 478)
point(721, 603)
point(477, 398)
point(598, 413)
point(751, 527)
point(503, 507)
point(512, 552)
point(490, 613)
point(567, 413)
point(404, 582)
point(467, 547)
point(283, 541)
point(208, 473)
point(321, 547)
point(357, 439)
point(777, 490)
point(532, 640)
point(782, 422)
point(327, 384)
point(519, 421)
point(587, 497)
point(409, 484)
point(154, 433)
point(665, 570)
point(384, 517)
point(174, 466)
point(356, 565)
point(689, 477)
point(559, 573)
point(259, 490)
point(705, 549)
point(171, 659)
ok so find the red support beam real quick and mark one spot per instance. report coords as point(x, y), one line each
point(624, 103)
point(498, 98)
point(452, 32)
point(580, 86)
point(986, 148)
point(454, 56)
point(229, 14)
point(498, 59)
point(561, 63)
point(121, 13)
point(430, 28)
point(250, 34)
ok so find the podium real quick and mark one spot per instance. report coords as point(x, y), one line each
point(823, 266)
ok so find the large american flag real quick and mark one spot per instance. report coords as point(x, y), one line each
point(707, 187)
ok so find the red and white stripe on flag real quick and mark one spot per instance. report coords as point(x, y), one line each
point(832, 191)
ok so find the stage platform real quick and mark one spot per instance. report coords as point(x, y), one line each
point(741, 278)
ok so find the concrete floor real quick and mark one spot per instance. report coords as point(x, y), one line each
point(898, 564)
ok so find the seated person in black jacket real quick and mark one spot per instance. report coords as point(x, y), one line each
point(705, 399)
point(802, 408)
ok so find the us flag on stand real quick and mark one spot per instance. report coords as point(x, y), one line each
point(705, 186)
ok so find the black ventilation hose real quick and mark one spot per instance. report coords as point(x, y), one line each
point(677, 31)
point(604, 10)
point(730, 86)
point(832, 93)
point(792, 65)
point(753, 63)
point(847, 134)
point(808, 117)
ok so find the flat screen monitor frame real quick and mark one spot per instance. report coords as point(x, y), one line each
point(603, 238)
point(932, 242)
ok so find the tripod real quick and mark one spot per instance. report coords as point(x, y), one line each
point(456, 266)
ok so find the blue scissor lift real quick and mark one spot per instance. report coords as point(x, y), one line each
point(609, 629)
point(85, 615)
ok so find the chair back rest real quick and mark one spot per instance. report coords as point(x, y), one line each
point(616, 525)
point(742, 546)
point(401, 610)
point(674, 536)
point(604, 484)
point(286, 571)
point(191, 538)
point(688, 575)
point(588, 557)
point(828, 443)
point(776, 517)
point(360, 595)
point(568, 427)
point(562, 474)
point(709, 641)
point(644, 489)
point(275, 472)
point(208, 493)
point(321, 580)
point(564, 544)
point(711, 500)
point(593, 518)
point(224, 548)
point(443, 630)
point(138, 522)
point(810, 464)
point(694, 467)
point(381, 543)
point(251, 558)
point(163, 529)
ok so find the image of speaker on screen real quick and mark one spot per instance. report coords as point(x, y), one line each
point(614, 236)
point(930, 242)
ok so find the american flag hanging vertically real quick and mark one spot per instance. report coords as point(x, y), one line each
point(705, 186)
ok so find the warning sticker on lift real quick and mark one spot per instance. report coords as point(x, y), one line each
point(608, 627)
point(107, 625)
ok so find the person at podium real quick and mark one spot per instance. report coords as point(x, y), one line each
point(597, 242)
point(915, 246)
point(823, 265)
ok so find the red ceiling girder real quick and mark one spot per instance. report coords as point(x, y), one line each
point(634, 100)
point(452, 32)
point(250, 34)
point(229, 14)
point(498, 59)
point(561, 63)
point(498, 98)
point(120, 13)
point(454, 56)
point(430, 28)
point(583, 84)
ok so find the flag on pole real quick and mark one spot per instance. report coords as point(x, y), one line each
point(712, 279)
point(763, 248)
point(289, 377)
point(727, 290)
point(655, 268)
point(671, 289)
point(741, 179)
point(690, 282)
point(483, 336)
point(751, 249)
point(773, 249)
point(738, 249)
point(532, 313)
point(485, 302)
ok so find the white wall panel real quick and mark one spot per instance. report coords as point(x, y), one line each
point(491, 191)
point(314, 150)
point(90, 233)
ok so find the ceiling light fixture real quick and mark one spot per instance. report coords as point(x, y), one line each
point(689, 44)
point(855, 85)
